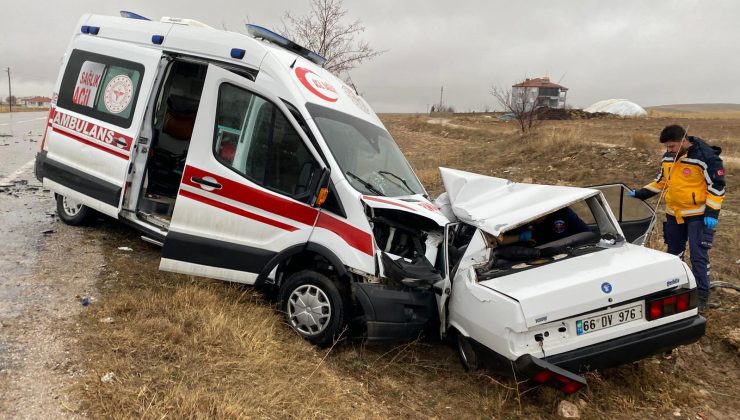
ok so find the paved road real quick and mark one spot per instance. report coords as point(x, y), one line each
point(38, 285)
point(20, 137)
point(24, 207)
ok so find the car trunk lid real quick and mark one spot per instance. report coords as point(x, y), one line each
point(589, 282)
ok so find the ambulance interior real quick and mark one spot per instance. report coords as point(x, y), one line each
point(173, 121)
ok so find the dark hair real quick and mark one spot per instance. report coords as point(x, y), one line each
point(672, 133)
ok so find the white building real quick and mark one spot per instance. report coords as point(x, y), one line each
point(37, 102)
point(540, 92)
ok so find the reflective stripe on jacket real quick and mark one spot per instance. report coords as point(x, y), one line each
point(695, 184)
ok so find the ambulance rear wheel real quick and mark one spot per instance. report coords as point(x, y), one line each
point(468, 355)
point(313, 307)
point(71, 211)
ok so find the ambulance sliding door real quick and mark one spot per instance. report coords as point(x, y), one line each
point(93, 129)
point(250, 180)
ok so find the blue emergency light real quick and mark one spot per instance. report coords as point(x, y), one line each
point(157, 39)
point(279, 40)
point(237, 53)
point(92, 30)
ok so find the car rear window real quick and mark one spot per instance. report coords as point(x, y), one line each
point(102, 87)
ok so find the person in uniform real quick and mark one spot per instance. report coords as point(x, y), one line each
point(693, 178)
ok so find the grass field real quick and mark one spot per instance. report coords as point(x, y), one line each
point(187, 347)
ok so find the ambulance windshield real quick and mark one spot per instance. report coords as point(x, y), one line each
point(369, 158)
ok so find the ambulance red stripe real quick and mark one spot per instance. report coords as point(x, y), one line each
point(91, 143)
point(356, 238)
point(90, 131)
point(237, 211)
point(254, 197)
point(392, 203)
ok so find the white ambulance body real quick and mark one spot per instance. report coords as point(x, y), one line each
point(249, 162)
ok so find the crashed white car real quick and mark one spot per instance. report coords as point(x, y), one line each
point(587, 301)
point(249, 162)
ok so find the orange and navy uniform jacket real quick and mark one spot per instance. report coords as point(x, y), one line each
point(695, 183)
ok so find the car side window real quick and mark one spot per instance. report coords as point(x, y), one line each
point(255, 139)
point(101, 87)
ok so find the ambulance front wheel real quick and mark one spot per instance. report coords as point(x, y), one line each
point(313, 307)
point(72, 212)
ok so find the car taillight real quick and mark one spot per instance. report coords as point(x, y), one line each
point(545, 373)
point(568, 384)
point(670, 305)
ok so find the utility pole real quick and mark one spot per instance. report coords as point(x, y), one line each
point(441, 91)
point(10, 92)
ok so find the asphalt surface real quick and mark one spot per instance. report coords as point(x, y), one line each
point(24, 206)
point(39, 288)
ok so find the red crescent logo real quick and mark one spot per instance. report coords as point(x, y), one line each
point(301, 73)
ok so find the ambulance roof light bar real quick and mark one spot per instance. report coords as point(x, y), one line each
point(279, 40)
point(132, 15)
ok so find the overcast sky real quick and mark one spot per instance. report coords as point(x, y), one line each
point(651, 52)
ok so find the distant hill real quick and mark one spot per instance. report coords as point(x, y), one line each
point(696, 108)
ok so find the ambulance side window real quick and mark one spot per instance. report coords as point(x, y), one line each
point(253, 137)
point(102, 87)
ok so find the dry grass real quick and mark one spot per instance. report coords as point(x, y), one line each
point(187, 347)
point(723, 115)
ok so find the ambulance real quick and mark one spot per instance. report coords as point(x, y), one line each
point(248, 162)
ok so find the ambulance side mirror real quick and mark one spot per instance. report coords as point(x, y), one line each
point(322, 188)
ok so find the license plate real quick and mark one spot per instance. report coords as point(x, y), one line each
point(609, 319)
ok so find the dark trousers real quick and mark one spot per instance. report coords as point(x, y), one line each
point(700, 241)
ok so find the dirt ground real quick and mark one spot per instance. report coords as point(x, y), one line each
point(180, 346)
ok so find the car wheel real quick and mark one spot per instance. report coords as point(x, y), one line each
point(313, 307)
point(468, 356)
point(71, 211)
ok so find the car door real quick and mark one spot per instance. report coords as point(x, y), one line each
point(635, 217)
point(246, 191)
point(92, 130)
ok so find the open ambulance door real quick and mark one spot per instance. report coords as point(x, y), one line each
point(249, 186)
point(635, 217)
point(92, 131)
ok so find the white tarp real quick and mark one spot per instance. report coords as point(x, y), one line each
point(497, 205)
point(621, 107)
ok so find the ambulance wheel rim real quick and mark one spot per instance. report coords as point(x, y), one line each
point(71, 207)
point(309, 310)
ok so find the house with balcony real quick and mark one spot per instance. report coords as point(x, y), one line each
point(536, 93)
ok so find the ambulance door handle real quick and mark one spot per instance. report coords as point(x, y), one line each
point(206, 182)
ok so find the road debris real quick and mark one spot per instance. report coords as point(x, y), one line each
point(125, 248)
point(106, 320)
point(108, 378)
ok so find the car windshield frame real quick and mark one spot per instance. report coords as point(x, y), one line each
point(367, 155)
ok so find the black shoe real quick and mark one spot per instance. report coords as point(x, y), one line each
point(703, 299)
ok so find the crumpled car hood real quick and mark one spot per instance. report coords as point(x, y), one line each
point(496, 205)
